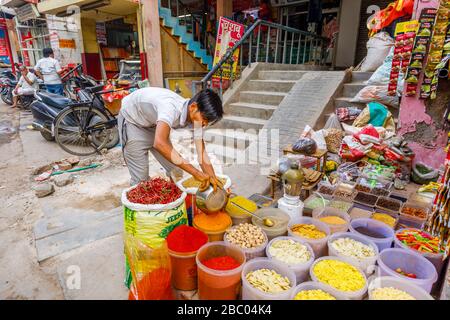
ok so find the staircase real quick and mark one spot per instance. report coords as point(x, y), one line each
point(185, 37)
point(351, 90)
point(257, 100)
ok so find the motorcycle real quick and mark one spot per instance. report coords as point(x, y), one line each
point(75, 79)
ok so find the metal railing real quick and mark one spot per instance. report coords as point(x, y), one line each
point(265, 42)
point(195, 22)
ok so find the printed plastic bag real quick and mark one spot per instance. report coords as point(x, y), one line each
point(382, 75)
point(347, 114)
point(150, 269)
point(378, 48)
point(376, 93)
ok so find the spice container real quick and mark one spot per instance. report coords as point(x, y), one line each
point(311, 285)
point(421, 242)
point(319, 245)
point(389, 204)
point(293, 252)
point(376, 231)
point(360, 211)
point(421, 199)
point(337, 221)
point(340, 275)
point(278, 217)
point(326, 190)
point(183, 243)
point(344, 206)
point(250, 292)
point(251, 239)
point(214, 225)
point(238, 215)
point(221, 284)
point(312, 202)
point(392, 259)
point(413, 215)
point(366, 199)
point(386, 217)
point(344, 191)
point(391, 282)
point(359, 250)
point(402, 197)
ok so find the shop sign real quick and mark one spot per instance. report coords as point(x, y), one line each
point(67, 44)
point(27, 12)
point(228, 34)
point(100, 29)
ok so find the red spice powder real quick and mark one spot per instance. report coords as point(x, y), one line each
point(221, 263)
point(186, 239)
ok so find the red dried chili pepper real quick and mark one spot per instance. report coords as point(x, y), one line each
point(154, 191)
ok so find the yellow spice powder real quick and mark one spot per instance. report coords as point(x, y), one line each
point(383, 217)
point(333, 220)
point(339, 275)
point(309, 231)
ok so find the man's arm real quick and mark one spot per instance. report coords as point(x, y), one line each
point(29, 81)
point(164, 146)
point(58, 68)
point(205, 162)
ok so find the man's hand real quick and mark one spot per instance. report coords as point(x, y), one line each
point(215, 182)
point(204, 179)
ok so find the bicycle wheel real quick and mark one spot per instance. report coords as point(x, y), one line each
point(72, 136)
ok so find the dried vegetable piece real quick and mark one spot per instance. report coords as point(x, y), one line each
point(389, 293)
point(313, 295)
point(268, 281)
point(340, 275)
point(420, 241)
point(289, 251)
point(352, 248)
point(309, 231)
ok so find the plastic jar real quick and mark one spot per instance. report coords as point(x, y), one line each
point(311, 285)
point(251, 293)
point(391, 259)
point(327, 212)
point(375, 226)
point(434, 258)
point(319, 246)
point(301, 270)
point(238, 215)
point(279, 217)
point(214, 235)
point(382, 282)
point(250, 253)
point(364, 264)
point(352, 295)
point(218, 284)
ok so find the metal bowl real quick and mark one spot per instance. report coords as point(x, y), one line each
point(211, 202)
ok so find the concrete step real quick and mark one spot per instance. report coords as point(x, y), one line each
point(359, 76)
point(238, 139)
point(352, 89)
point(262, 97)
point(226, 155)
point(344, 102)
point(237, 122)
point(253, 110)
point(270, 85)
point(281, 75)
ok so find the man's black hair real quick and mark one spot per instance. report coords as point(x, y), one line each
point(209, 104)
point(47, 52)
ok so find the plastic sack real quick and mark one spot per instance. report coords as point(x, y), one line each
point(423, 174)
point(376, 93)
point(333, 139)
point(378, 48)
point(151, 224)
point(305, 145)
point(333, 122)
point(368, 134)
point(150, 269)
point(317, 136)
point(347, 114)
point(382, 75)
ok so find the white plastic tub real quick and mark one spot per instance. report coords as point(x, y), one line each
point(364, 264)
point(319, 246)
point(250, 253)
point(382, 282)
point(377, 226)
point(352, 295)
point(301, 270)
point(311, 285)
point(251, 293)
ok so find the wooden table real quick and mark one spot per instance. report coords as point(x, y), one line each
point(320, 155)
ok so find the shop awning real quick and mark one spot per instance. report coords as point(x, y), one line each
point(7, 13)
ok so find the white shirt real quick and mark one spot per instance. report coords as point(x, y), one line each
point(145, 107)
point(49, 68)
point(25, 85)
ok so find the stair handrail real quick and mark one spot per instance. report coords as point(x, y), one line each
point(228, 56)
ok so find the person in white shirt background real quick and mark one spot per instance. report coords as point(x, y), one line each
point(26, 86)
point(49, 70)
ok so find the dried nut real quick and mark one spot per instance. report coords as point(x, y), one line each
point(246, 236)
point(268, 281)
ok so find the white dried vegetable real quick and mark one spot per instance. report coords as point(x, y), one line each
point(268, 281)
point(289, 251)
point(389, 293)
point(352, 248)
point(246, 236)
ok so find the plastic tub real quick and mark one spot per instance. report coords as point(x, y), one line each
point(395, 216)
point(279, 217)
point(348, 189)
point(301, 270)
point(382, 282)
point(238, 215)
point(250, 253)
point(360, 211)
point(314, 201)
point(369, 203)
point(217, 284)
point(326, 212)
point(434, 258)
point(251, 293)
point(193, 190)
point(341, 205)
point(184, 270)
point(214, 235)
point(382, 207)
point(322, 189)
point(364, 264)
point(391, 259)
point(412, 221)
point(319, 246)
point(375, 226)
point(352, 295)
point(311, 285)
